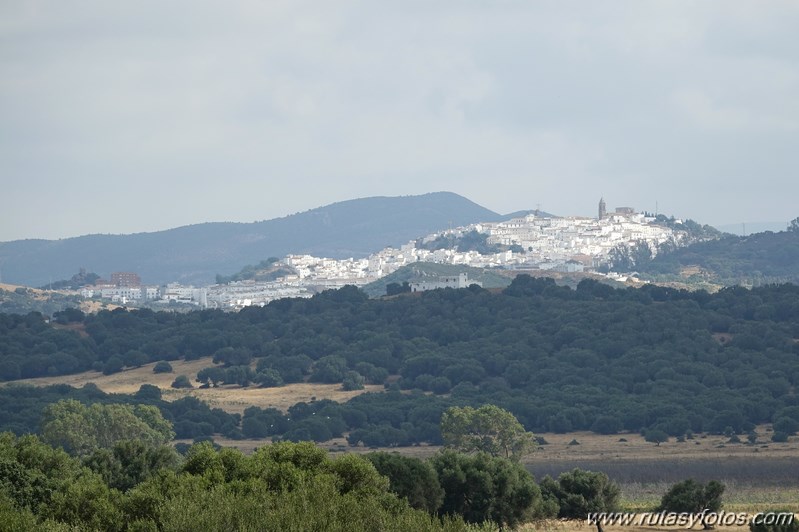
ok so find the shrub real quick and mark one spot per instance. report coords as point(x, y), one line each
point(772, 521)
point(692, 496)
point(162, 367)
point(779, 437)
point(786, 425)
point(113, 365)
point(656, 436)
point(352, 381)
point(181, 381)
point(578, 493)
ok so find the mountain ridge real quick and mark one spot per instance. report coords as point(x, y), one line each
point(196, 253)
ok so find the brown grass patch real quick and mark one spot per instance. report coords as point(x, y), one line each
point(231, 398)
point(688, 271)
point(599, 447)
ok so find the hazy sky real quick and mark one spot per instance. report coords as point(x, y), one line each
point(122, 116)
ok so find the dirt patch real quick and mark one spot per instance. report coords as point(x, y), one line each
point(722, 338)
point(79, 328)
point(599, 447)
point(689, 271)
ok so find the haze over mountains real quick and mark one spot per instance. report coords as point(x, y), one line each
point(196, 253)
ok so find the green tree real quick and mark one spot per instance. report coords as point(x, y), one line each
point(213, 375)
point(579, 493)
point(135, 359)
point(482, 487)
point(656, 436)
point(114, 364)
point(80, 429)
point(162, 367)
point(130, 462)
point(410, 478)
point(329, 369)
point(794, 225)
point(787, 425)
point(352, 381)
point(181, 381)
point(692, 496)
point(269, 378)
point(489, 429)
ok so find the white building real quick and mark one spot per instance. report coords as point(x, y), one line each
point(461, 281)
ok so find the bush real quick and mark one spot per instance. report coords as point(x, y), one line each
point(779, 437)
point(656, 436)
point(577, 493)
point(353, 381)
point(411, 479)
point(770, 521)
point(162, 367)
point(692, 496)
point(113, 365)
point(483, 488)
point(786, 425)
point(269, 378)
point(182, 381)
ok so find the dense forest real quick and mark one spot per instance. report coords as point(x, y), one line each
point(560, 359)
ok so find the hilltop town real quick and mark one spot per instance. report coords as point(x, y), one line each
point(532, 242)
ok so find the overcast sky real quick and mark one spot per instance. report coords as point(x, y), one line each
point(122, 116)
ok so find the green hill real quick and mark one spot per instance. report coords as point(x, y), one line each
point(752, 260)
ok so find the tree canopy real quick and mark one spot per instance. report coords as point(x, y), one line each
point(81, 429)
point(488, 429)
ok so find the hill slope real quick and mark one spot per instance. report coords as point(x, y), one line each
point(752, 260)
point(195, 253)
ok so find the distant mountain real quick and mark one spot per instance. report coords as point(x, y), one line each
point(756, 259)
point(195, 253)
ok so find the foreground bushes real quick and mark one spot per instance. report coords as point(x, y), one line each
point(285, 486)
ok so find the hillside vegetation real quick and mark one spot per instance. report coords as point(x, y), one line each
point(752, 260)
point(22, 300)
point(560, 359)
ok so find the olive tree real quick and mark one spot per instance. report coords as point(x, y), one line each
point(80, 429)
point(579, 493)
point(694, 497)
point(488, 429)
point(481, 488)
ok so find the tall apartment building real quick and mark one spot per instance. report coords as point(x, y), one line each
point(125, 279)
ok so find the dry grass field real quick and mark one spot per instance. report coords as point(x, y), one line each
point(232, 398)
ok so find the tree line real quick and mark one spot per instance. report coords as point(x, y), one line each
point(107, 467)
